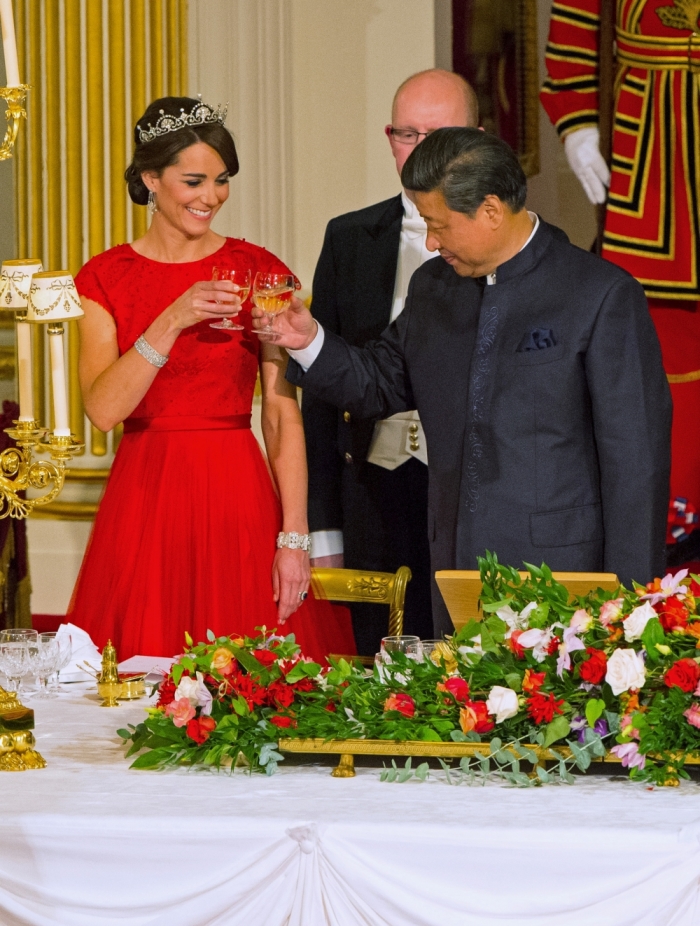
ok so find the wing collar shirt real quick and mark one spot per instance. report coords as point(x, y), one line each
point(396, 439)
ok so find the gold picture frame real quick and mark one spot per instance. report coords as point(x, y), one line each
point(494, 46)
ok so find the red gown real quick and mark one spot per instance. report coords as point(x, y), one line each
point(185, 533)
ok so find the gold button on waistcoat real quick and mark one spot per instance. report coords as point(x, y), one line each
point(348, 458)
point(346, 416)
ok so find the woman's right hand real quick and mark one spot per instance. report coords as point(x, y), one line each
point(205, 301)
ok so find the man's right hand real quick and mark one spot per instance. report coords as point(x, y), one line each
point(294, 328)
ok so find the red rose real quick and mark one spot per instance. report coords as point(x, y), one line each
point(542, 708)
point(457, 687)
point(283, 720)
point(167, 692)
point(281, 694)
point(533, 681)
point(475, 716)
point(683, 674)
point(199, 728)
point(592, 670)
point(401, 702)
point(265, 656)
point(515, 647)
point(553, 645)
point(330, 707)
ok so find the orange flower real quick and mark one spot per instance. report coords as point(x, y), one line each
point(693, 628)
point(222, 661)
point(533, 681)
point(615, 634)
point(467, 719)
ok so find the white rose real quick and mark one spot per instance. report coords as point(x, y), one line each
point(503, 702)
point(625, 670)
point(634, 624)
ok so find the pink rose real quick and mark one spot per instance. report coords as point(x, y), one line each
point(610, 611)
point(181, 712)
point(692, 715)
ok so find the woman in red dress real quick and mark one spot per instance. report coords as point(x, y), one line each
point(185, 536)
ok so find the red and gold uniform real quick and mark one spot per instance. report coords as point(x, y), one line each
point(652, 225)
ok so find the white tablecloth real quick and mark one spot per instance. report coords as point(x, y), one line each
point(86, 842)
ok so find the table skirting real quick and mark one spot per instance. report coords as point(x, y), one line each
point(87, 842)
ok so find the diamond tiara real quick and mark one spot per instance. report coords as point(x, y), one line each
point(200, 114)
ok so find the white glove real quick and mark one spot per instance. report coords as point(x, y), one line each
point(582, 149)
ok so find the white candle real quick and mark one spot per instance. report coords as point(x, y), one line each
point(24, 361)
point(58, 381)
point(9, 44)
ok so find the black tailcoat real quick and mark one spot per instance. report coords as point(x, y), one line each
point(545, 405)
point(382, 513)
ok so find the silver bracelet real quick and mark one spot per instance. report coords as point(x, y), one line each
point(149, 353)
point(294, 541)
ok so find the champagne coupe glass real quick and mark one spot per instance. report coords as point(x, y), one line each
point(272, 292)
point(43, 664)
point(241, 279)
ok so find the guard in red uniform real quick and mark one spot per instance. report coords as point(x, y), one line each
point(653, 215)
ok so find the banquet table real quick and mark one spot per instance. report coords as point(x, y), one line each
point(89, 842)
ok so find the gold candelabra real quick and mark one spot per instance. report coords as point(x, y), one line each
point(19, 471)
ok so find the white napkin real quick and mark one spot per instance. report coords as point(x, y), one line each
point(83, 650)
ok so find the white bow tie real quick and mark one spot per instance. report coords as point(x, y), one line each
point(416, 226)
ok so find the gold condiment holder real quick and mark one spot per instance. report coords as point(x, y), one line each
point(110, 687)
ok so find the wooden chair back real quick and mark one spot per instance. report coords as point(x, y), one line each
point(461, 589)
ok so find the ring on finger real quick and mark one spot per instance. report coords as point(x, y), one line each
point(303, 595)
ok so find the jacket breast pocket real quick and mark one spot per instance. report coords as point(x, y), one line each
point(567, 526)
point(529, 358)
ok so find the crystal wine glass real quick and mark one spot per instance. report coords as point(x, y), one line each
point(241, 279)
point(43, 663)
point(13, 663)
point(19, 636)
point(272, 292)
point(65, 647)
point(408, 644)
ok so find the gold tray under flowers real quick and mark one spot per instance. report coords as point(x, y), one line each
point(348, 749)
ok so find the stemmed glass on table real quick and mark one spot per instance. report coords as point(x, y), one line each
point(17, 647)
point(51, 652)
point(241, 279)
point(272, 292)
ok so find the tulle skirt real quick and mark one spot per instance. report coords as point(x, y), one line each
point(184, 540)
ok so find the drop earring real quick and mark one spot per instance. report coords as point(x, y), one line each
point(152, 207)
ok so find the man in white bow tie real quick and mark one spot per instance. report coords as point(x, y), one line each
point(368, 480)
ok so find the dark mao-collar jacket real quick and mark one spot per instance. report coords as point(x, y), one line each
point(545, 406)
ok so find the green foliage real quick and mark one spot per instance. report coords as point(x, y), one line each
point(268, 692)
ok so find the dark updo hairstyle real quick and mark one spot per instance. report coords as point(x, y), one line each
point(163, 150)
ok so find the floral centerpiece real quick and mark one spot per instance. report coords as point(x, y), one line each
point(610, 672)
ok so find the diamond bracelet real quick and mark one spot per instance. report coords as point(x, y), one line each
point(294, 541)
point(150, 353)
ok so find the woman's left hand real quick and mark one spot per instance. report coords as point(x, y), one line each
point(291, 575)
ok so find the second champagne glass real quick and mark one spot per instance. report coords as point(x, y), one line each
point(272, 292)
point(241, 279)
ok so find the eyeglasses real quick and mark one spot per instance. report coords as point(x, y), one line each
point(406, 136)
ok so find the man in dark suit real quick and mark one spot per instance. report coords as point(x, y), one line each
point(368, 479)
point(536, 371)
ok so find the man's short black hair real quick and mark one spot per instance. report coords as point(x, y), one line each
point(466, 166)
